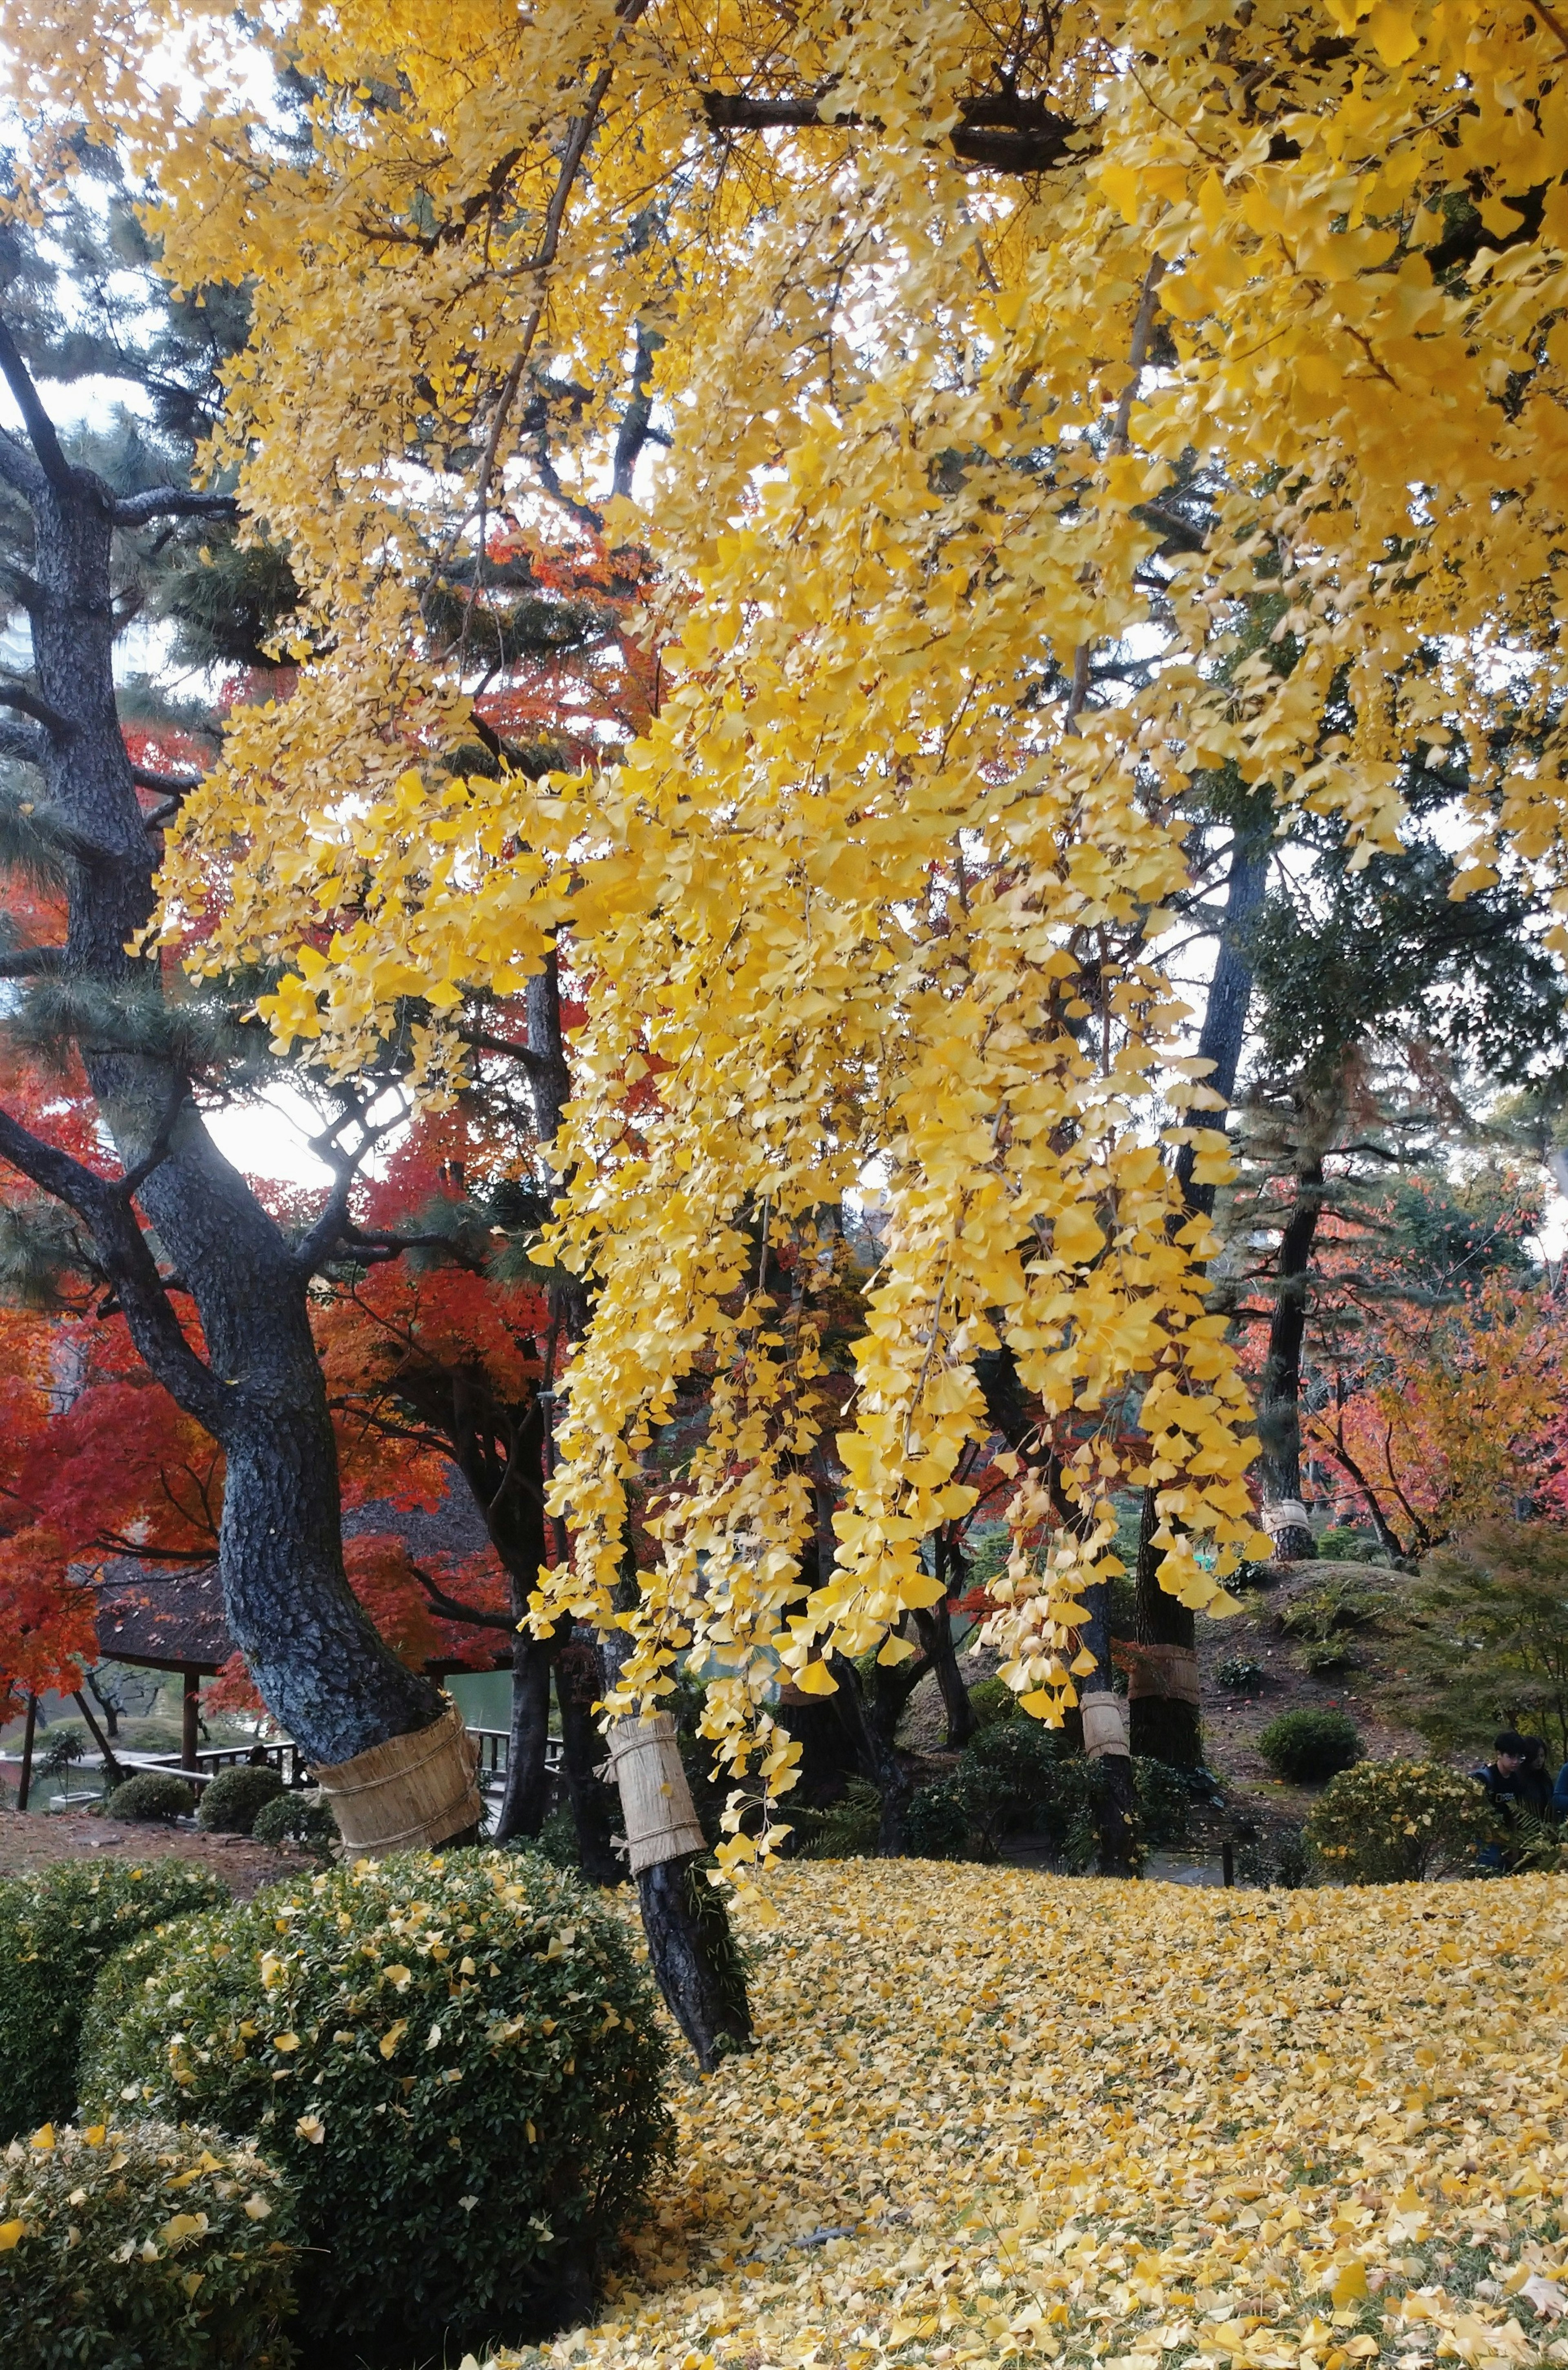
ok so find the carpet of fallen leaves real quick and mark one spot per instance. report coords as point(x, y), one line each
point(998, 2116)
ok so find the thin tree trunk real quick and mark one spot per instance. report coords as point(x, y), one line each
point(695, 1959)
point(1115, 1802)
point(593, 1804)
point(1279, 1396)
point(527, 1799)
point(1163, 1726)
point(935, 1631)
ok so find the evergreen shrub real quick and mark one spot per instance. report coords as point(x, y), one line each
point(1396, 1822)
point(230, 1801)
point(57, 1930)
point(153, 1798)
point(1018, 1774)
point(1308, 1747)
point(302, 1819)
point(141, 2247)
point(455, 2061)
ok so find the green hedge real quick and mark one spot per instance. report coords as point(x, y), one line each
point(153, 1798)
point(57, 1929)
point(230, 1800)
point(1309, 1747)
point(137, 2246)
point(455, 2062)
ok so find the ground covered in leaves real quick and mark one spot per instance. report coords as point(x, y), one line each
point(996, 2115)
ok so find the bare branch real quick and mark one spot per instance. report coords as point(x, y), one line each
point(170, 501)
point(35, 419)
point(997, 133)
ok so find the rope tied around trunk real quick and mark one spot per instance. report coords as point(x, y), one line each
point(416, 1788)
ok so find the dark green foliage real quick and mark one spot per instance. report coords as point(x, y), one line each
point(1489, 1644)
point(992, 1700)
point(400, 2037)
point(304, 1820)
point(1309, 1747)
point(152, 1796)
point(1017, 1776)
point(846, 1829)
point(57, 1930)
point(1332, 1606)
point(938, 1823)
point(105, 2278)
point(231, 1800)
point(1342, 1543)
point(1240, 1675)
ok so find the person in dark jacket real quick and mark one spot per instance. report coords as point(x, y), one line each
point(1515, 1781)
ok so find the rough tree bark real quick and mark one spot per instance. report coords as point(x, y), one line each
point(696, 1960)
point(320, 1667)
point(1279, 1394)
point(1162, 1724)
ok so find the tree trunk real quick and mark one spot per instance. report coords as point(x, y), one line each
point(321, 1669)
point(1116, 1803)
point(527, 1798)
point(935, 1631)
point(1279, 1396)
point(870, 1728)
point(695, 1958)
point(592, 1801)
point(1162, 1725)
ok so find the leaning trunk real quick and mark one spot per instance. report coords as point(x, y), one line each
point(1279, 1398)
point(322, 1671)
point(1164, 1715)
point(693, 1951)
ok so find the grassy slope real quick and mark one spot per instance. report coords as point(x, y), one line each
point(1085, 2123)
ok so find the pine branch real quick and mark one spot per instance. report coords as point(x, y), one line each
point(32, 962)
point(31, 703)
point(170, 501)
point(23, 746)
point(122, 1248)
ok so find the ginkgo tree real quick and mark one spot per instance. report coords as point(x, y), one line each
point(931, 309)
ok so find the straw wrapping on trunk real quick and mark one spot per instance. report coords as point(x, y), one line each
point(656, 1803)
point(416, 1788)
point(1104, 1725)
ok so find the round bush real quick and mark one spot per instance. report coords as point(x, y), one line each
point(1395, 1822)
point(153, 1797)
point(230, 1800)
point(992, 1699)
point(57, 1929)
point(137, 2246)
point(938, 1823)
point(1308, 1746)
point(1240, 1675)
point(304, 1820)
point(454, 2059)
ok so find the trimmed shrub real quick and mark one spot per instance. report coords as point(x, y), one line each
point(152, 1796)
point(1395, 1822)
point(938, 1823)
point(57, 1930)
point(138, 2247)
point(302, 1819)
point(230, 1800)
point(455, 2061)
point(1308, 1747)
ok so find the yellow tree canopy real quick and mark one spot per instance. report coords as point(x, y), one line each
point(937, 301)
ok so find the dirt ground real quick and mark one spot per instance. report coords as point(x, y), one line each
point(31, 1840)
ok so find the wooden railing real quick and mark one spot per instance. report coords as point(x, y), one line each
point(495, 1747)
